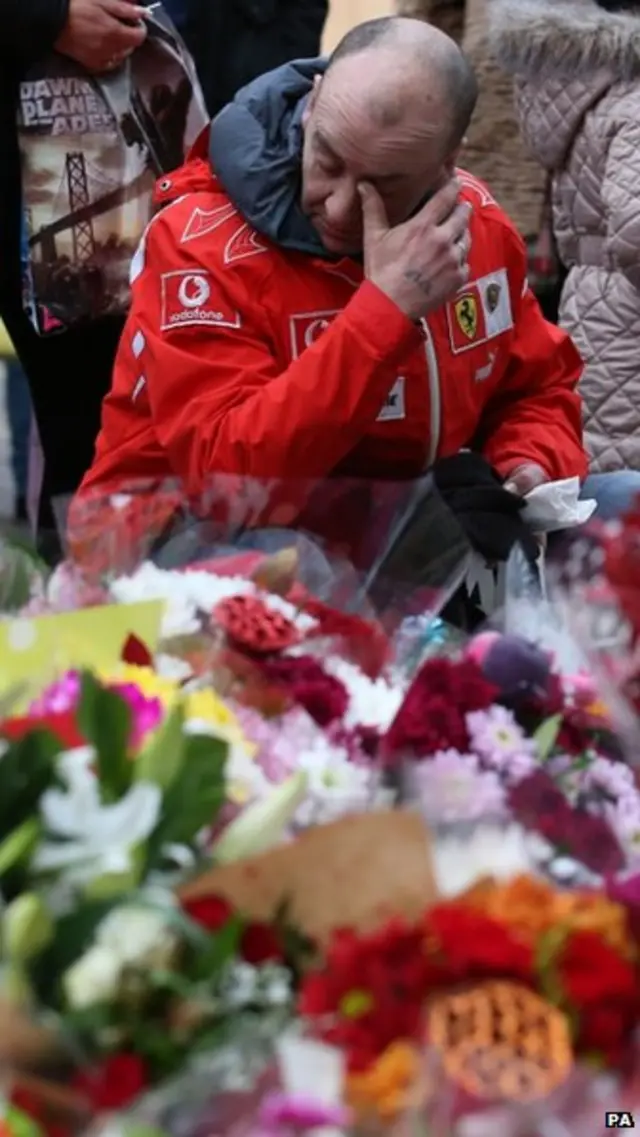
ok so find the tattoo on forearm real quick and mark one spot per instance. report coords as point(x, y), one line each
point(423, 282)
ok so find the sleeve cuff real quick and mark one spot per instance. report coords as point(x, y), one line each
point(383, 330)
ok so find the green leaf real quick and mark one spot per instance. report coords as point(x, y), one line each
point(161, 760)
point(20, 572)
point(19, 845)
point(75, 934)
point(105, 720)
point(195, 796)
point(546, 736)
point(222, 948)
point(28, 769)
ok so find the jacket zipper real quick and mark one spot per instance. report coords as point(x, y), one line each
point(435, 401)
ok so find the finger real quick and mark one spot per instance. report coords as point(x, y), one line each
point(442, 204)
point(122, 39)
point(124, 10)
point(524, 479)
point(374, 215)
point(456, 226)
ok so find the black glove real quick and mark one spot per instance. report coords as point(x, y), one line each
point(490, 516)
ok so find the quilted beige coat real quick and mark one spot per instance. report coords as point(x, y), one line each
point(578, 83)
point(493, 149)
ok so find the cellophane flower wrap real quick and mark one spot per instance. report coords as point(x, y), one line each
point(597, 590)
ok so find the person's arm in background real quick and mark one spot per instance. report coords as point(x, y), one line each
point(621, 198)
point(93, 32)
point(534, 419)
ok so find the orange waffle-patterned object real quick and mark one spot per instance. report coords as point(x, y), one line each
point(500, 1041)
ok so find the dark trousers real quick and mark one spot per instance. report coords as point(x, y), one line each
point(68, 376)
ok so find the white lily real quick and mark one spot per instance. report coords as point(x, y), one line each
point(92, 839)
point(263, 824)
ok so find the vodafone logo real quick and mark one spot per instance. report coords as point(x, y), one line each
point(307, 327)
point(186, 302)
point(193, 291)
point(314, 330)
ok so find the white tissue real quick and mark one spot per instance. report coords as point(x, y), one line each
point(311, 1069)
point(548, 508)
point(556, 505)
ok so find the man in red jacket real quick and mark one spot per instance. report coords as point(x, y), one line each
point(324, 292)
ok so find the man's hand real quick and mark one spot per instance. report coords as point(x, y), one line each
point(100, 34)
point(423, 262)
point(525, 478)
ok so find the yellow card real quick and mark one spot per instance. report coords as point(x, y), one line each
point(35, 651)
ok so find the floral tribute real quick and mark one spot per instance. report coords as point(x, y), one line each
point(500, 733)
point(510, 984)
point(308, 688)
point(110, 799)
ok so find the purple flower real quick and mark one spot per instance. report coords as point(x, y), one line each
point(501, 744)
point(451, 786)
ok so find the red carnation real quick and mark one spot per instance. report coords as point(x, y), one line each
point(538, 803)
point(323, 696)
point(592, 972)
point(465, 944)
point(210, 912)
point(603, 989)
point(371, 991)
point(114, 1084)
point(432, 716)
point(364, 641)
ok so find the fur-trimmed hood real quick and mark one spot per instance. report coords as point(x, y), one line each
point(565, 55)
point(564, 39)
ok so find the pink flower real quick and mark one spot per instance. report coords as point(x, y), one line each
point(63, 695)
point(453, 787)
point(498, 740)
point(146, 713)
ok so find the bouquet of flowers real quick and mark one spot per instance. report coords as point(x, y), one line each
point(450, 1011)
point(499, 733)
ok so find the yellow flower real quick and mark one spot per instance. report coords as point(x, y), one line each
point(202, 706)
point(149, 684)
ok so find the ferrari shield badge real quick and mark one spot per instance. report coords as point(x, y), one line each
point(466, 311)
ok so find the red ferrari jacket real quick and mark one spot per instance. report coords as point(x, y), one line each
point(239, 357)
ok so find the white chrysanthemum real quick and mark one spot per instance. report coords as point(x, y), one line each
point(462, 858)
point(187, 593)
point(372, 702)
point(336, 786)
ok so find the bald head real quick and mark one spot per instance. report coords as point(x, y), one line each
point(391, 110)
point(423, 64)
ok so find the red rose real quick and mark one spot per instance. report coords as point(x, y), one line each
point(260, 944)
point(210, 912)
point(114, 1084)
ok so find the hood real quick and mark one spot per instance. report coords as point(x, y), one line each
point(255, 150)
point(566, 54)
